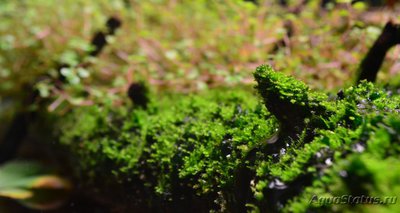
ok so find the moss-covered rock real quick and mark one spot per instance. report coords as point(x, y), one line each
point(220, 151)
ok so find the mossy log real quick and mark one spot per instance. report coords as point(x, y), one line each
point(191, 153)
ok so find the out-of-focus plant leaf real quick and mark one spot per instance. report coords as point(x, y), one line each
point(361, 6)
point(16, 193)
point(32, 186)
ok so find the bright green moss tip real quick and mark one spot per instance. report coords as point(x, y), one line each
point(290, 100)
point(275, 83)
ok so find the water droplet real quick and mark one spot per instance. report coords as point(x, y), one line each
point(358, 147)
point(277, 184)
point(328, 161)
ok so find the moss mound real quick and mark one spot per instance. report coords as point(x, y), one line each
point(224, 151)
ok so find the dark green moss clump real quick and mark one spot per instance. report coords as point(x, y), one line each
point(219, 151)
point(360, 127)
point(180, 147)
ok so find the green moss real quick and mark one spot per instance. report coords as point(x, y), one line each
point(198, 140)
point(291, 101)
point(363, 121)
point(222, 146)
point(361, 145)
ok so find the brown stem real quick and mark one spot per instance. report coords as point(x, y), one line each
point(372, 62)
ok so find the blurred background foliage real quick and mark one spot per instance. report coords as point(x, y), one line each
point(182, 45)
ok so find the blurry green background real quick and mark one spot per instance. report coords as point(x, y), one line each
point(184, 45)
